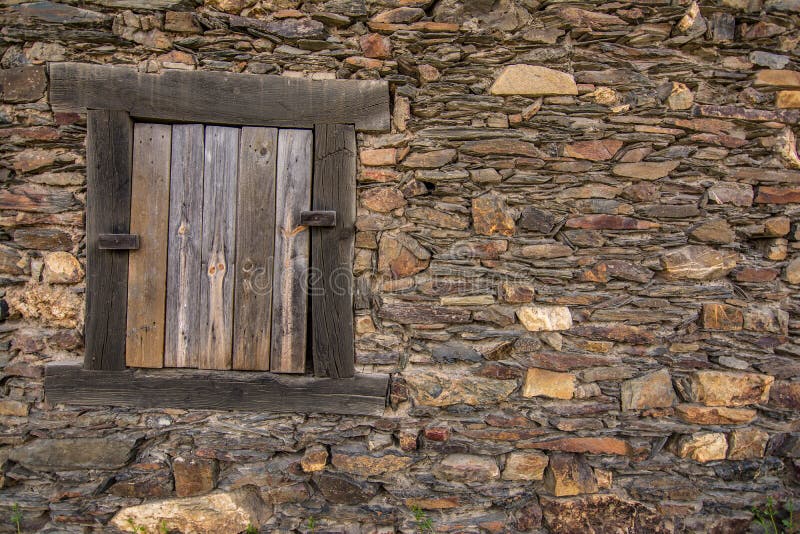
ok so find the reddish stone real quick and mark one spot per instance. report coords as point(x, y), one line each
point(600, 150)
point(609, 222)
point(585, 445)
point(383, 199)
point(501, 147)
point(752, 274)
point(499, 371)
point(376, 46)
point(490, 216)
point(722, 317)
point(784, 394)
point(437, 433)
point(194, 476)
point(622, 333)
point(376, 157)
point(777, 195)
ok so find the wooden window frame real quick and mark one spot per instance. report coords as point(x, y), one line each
point(113, 98)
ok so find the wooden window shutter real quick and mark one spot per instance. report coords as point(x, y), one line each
point(108, 199)
point(334, 189)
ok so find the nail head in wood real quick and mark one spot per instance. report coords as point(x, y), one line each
point(118, 241)
point(318, 218)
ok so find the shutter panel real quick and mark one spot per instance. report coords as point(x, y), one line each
point(147, 266)
point(217, 256)
point(108, 209)
point(255, 237)
point(185, 239)
point(290, 280)
point(334, 188)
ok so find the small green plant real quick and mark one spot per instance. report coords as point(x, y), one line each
point(162, 527)
point(16, 517)
point(770, 516)
point(311, 524)
point(137, 529)
point(251, 529)
point(424, 523)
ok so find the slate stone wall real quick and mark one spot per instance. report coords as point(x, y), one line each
point(576, 254)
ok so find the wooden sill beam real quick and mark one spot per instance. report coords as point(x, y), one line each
point(364, 394)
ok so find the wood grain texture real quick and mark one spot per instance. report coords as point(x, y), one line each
point(194, 96)
point(147, 267)
point(318, 218)
point(118, 241)
point(216, 390)
point(332, 331)
point(255, 237)
point(217, 256)
point(290, 280)
point(184, 271)
point(109, 143)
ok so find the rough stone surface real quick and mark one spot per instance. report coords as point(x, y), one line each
point(545, 318)
point(490, 216)
point(716, 415)
point(216, 513)
point(601, 513)
point(569, 474)
point(544, 383)
point(747, 443)
point(702, 446)
point(467, 468)
point(194, 476)
point(73, 454)
point(719, 388)
point(525, 466)
point(529, 80)
point(696, 262)
point(653, 390)
point(62, 268)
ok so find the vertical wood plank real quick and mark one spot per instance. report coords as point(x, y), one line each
point(289, 287)
point(109, 143)
point(147, 266)
point(217, 256)
point(334, 188)
point(183, 328)
point(255, 236)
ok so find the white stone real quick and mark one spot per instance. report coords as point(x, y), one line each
point(545, 318)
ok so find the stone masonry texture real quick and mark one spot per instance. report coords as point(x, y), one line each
point(577, 255)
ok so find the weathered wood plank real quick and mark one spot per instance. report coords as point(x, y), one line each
point(118, 241)
point(332, 332)
point(258, 100)
point(183, 329)
point(216, 390)
point(290, 281)
point(109, 142)
point(217, 256)
point(147, 267)
point(255, 238)
point(318, 218)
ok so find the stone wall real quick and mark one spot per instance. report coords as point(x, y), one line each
point(576, 254)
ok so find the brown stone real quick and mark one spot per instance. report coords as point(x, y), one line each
point(501, 147)
point(216, 513)
point(376, 46)
point(752, 274)
point(569, 474)
point(537, 220)
point(181, 22)
point(714, 415)
point(721, 388)
point(73, 454)
point(716, 231)
point(435, 217)
point(679, 96)
point(600, 150)
point(14, 408)
point(314, 459)
point(731, 193)
point(525, 466)
point(376, 157)
point(400, 255)
point(782, 79)
point(601, 513)
point(429, 160)
point(56, 305)
point(22, 84)
point(467, 468)
point(432, 387)
point(357, 461)
point(342, 489)
point(777, 195)
point(701, 446)
point(543, 383)
point(697, 262)
point(609, 222)
point(400, 15)
point(491, 216)
point(653, 390)
point(36, 198)
point(747, 444)
point(529, 80)
point(43, 238)
point(645, 170)
point(62, 268)
point(787, 99)
point(619, 269)
point(383, 199)
point(792, 272)
point(194, 476)
point(766, 319)
point(606, 445)
point(429, 73)
point(722, 317)
point(516, 292)
point(622, 333)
